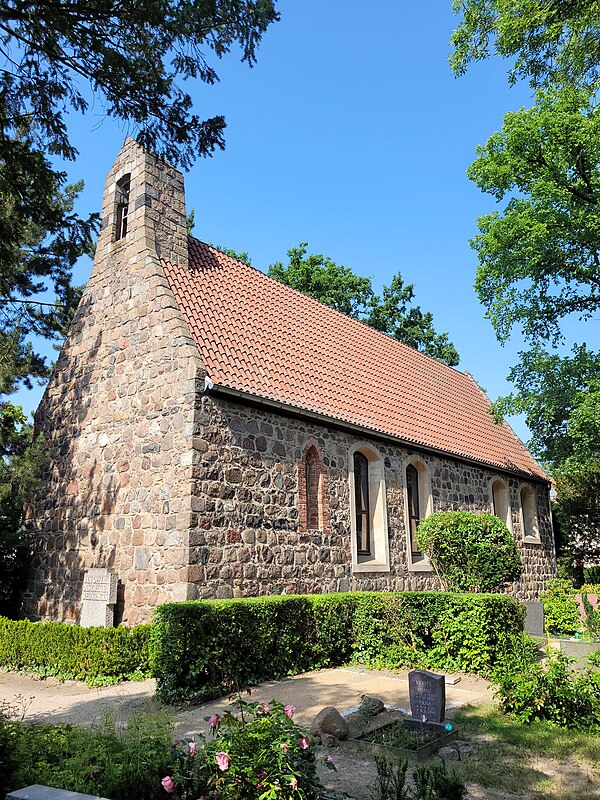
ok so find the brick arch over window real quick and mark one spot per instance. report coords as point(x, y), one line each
point(313, 511)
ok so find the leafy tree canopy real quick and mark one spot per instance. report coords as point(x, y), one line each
point(547, 42)
point(578, 510)
point(21, 455)
point(132, 56)
point(338, 287)
point(552, 392)
point(539, 259)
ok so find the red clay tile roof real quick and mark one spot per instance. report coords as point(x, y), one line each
point(260, 337)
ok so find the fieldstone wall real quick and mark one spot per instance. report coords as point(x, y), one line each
point(247, 538)
point(118, 415)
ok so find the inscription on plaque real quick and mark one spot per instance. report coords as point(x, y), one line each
point(98, 598)
point(427, 693)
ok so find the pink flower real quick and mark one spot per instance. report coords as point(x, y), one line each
point(192, 748)
point(284, 746)
point(263, 708)
point(303, 743)
point(168, 784)
point(289, 711)
point(222, 761)
point(294, 783)
point(214, 720)
point(329, 758)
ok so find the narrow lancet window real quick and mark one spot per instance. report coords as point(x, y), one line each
point(312, 489)
point(361, 494)
point(414, 514)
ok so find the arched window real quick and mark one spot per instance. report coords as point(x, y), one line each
point(369, 544)
point(122, 211)
point(418, 504)
point(313, 510)
point(501, 502)
point(361, 504)
point(529, 518)
point(313, 474)
point(414, 515)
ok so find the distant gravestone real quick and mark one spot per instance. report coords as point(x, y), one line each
point(98, 598)
point(534, 617)
point(427, 693)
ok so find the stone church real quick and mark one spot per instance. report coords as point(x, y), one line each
point(215, 434)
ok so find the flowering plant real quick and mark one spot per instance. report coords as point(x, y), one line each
point(257, 753)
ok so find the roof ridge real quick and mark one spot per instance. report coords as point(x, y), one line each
point(388, 338)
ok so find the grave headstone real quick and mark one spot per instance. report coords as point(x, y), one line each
point(534, 617)
point(427, 692)
point(98, 598)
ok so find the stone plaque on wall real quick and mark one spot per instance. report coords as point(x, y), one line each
point(98, 598)
point(427, 693)
point(534, 618)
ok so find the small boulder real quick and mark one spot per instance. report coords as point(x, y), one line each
point(331, 722)
point(449, 754)
point(371, 706)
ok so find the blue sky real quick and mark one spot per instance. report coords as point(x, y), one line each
point(350, 133)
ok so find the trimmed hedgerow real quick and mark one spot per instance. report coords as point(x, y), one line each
point(94, 655)
point(202, 649)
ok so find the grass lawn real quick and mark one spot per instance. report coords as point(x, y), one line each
point(538, 759)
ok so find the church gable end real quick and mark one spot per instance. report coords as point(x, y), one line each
point(119, 410)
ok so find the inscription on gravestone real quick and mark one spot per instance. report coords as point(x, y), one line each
point(98, 598)
point(427, 693)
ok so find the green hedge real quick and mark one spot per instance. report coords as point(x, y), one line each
point(206, 648)
point(94, 655)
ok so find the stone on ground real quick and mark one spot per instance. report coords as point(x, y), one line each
point(371, 706)
point(330, 721)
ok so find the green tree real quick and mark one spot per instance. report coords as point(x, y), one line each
point(132, 56)
point(578, 512)
point(546, 42)
point(539, 259)
point(338, 287)
point(21, 455)
point(553, 391)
